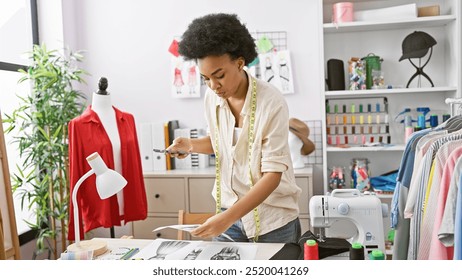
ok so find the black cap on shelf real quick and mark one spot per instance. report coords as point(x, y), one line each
point(416, 45)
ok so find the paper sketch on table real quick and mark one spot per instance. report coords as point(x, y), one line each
point(228, 251)
point(189, 228)
point(165, 249)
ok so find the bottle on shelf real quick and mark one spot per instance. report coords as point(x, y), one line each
point(360, 174)
point(337, 178)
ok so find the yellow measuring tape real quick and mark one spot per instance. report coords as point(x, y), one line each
point(253, 102)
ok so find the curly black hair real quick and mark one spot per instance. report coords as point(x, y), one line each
point(217, 34)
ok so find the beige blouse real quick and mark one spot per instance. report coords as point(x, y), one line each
point(270, 153)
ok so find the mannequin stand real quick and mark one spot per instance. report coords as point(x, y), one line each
point(419, 71)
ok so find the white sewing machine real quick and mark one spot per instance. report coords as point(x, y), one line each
point(363, 210)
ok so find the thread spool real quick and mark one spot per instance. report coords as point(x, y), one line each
point(356, 251)
point(434, 120)
point(311, 251)
point(407, 121)
point(421, 121)
point(377, 255)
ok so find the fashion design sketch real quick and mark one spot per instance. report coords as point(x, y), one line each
point(276, 69)
point(186, 82)
point(166, 249)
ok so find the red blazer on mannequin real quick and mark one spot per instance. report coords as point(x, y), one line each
point(86, 136)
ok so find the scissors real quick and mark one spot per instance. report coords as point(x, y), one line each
point(164, 151)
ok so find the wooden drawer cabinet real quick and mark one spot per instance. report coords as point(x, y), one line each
point(200, 195)
point(165, 195)
point(191, 190)
point(143, 229)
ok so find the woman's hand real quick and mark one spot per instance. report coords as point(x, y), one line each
point(214, 226)
point(180, 148)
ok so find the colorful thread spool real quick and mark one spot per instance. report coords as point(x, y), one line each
point(377, 255)
point(434, 120)
point(356, 251)
point(311, 251)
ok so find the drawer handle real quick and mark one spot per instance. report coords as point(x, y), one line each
point(158, 234)
point(157, 195)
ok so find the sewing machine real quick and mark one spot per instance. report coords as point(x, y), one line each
point(364, 210)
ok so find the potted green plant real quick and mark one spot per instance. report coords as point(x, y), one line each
point(40, 130)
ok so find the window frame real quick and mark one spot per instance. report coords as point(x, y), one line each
point(6, 66)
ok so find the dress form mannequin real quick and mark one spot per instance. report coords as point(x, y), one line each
point(105, 128)
point(102, 105)
point(295, 145)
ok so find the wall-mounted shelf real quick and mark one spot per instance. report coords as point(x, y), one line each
point(386, 148)
point(360, 26)
point(373, 92)
point(384, 38)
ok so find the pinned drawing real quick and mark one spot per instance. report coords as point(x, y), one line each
point(186, 82)
point(276, 69)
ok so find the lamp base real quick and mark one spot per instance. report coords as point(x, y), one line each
point(97, 246)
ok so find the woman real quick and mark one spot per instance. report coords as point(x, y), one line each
point(255, 190)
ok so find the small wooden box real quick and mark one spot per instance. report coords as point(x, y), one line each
point(428, 11)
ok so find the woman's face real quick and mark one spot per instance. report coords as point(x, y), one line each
point(223, 75)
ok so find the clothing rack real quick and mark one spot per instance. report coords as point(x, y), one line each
point(455, 105)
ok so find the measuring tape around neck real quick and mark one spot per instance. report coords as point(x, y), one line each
point(253, 108)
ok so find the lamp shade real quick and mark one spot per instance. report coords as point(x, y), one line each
point(108, 182)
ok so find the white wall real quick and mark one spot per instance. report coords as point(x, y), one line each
point(50, 22)
point(127, 41)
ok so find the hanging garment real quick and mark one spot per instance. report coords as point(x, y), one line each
point(437, 250)
point(458, 224)
point(447, 227)
point(431, 197)
point(422, 182)
point(398, 222)
point(86, 136)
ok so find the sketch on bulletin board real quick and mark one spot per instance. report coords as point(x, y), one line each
point(276, 68)
point(186, 81)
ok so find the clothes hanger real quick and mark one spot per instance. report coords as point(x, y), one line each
point(454, 123)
